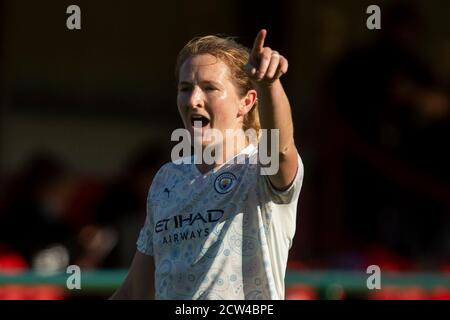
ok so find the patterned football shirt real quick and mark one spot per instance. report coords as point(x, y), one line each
point(220, 235)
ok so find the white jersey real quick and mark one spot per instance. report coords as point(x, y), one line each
point(220, 235)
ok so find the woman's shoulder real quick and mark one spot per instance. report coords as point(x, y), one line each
point(170, 169)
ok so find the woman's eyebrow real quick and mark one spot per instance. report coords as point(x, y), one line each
point(203, 82)
point(184, 83)
point(210, 82)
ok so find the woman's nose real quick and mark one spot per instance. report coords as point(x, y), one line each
point(196, 97)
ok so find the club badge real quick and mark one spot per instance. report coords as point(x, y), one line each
point(225, 182)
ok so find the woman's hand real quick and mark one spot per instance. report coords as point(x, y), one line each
point(265, 65)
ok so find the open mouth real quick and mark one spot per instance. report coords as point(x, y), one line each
point(199, 121)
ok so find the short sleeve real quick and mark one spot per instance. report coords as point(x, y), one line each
point(292, 192)
point(145, 239)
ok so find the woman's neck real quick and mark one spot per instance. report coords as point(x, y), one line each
point(229, 149)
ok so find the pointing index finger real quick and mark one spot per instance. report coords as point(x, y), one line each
point(258, 45)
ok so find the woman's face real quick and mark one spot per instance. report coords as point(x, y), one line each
point(206, 94)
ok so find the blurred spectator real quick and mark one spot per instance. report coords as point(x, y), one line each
point(391, 121)
point(32, 223)
point(120, 212)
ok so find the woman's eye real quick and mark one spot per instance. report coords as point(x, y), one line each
point(210, 88)
point(184, 89)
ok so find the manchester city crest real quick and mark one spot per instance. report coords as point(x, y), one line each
point(225, 182)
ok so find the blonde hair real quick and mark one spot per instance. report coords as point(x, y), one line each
point(235, 56)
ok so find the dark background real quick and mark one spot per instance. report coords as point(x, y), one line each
point(86, 118)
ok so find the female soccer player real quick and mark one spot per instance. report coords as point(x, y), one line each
point(222, 230)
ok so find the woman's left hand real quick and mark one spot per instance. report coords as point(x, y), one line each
point(265, 65)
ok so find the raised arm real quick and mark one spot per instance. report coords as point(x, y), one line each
point(140, 281)
point(265, 67)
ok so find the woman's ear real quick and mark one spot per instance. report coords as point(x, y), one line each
point(248, 102)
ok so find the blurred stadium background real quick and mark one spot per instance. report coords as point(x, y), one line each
point(86, 118)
